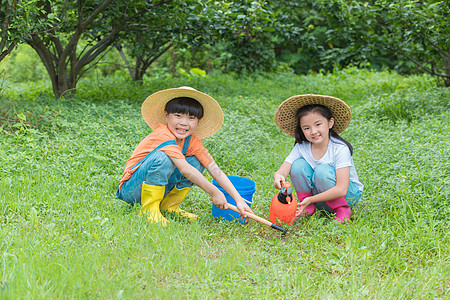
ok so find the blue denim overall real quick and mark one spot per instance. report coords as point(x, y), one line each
point(156, 168)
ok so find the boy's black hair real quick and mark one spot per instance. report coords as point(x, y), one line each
point(324, 112)
point(184, 105)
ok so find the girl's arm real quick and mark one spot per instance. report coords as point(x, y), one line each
point(226, 184)
point(281, 174)
point(339, 190)
point(197, 178)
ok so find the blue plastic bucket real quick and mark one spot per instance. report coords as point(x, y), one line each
point(245, 188)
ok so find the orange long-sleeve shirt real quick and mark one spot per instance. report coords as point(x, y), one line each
point(159, 136)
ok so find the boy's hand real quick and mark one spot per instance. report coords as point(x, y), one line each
point(243, 208)
point(218, 199)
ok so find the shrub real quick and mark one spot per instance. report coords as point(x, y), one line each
point(407, 104)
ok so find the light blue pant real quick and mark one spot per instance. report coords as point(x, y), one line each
point(158, 169)
point(322, 178)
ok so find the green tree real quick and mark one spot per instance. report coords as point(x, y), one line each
point(151, 35)
point(19, 20)
point(97, 22)
point(302, 40)
point(144, 50)
point(7, 42)
point(245, 31)
point(238, 33)
point(417, 31)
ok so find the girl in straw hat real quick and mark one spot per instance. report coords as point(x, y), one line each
point(320, 164)
point(166, 164)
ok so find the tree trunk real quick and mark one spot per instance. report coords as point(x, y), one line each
point(56, 67)
point(4, 35)
point(139, 71)
point(172, 62)
point(143, 62)
point(7, 51)
point(446, 60)
point(125, 60)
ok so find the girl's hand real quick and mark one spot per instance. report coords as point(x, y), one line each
point(219, 200)
point(277, 179)
point(281, 174)
point(302, 205)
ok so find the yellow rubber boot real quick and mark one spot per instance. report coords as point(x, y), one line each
point(172, 201)
point(151, 197)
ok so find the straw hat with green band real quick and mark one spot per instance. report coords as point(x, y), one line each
point(286, 114)
point(153, 110)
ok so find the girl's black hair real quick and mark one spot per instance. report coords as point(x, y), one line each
point(184, 105)
point(324, 112)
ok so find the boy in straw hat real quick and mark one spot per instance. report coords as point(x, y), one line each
point(166, 164)
point(320, 164)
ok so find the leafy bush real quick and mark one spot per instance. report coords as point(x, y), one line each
point(407, 104)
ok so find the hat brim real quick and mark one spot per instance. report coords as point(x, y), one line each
point(286, 114)
point(153, 110)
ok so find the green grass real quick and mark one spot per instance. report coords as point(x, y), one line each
point(64, 234)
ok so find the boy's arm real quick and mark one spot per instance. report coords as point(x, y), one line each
point(226, 184)
point(194, 176)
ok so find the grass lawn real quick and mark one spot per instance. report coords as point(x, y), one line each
point(63, 233)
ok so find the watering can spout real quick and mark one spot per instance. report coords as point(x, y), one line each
point(285, 196)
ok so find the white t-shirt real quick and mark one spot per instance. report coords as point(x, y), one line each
point(338, 156)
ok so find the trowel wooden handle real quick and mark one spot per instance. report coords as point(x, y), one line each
point(258, 219)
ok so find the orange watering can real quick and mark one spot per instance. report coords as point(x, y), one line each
point(283, 205)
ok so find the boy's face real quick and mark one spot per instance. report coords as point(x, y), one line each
point(181, 125)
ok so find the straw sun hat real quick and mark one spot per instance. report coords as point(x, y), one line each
point(153, 110)
point(286, 114)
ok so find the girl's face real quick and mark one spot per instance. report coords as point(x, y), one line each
point(316, 128)
point(181, 125)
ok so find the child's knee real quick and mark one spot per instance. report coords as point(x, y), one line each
point(300, 167)
point(159, 169)
point(324, 177)
point(162, 160)
point(325, 173)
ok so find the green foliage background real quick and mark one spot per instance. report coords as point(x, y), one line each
point(65, 235)
point(236, 37)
